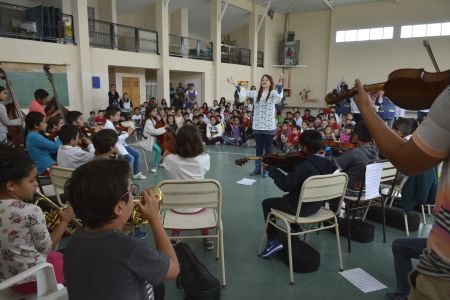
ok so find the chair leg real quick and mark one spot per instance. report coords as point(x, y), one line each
point(306, 235)
point(291, 271)
point(429, 209)
point(347, 217)
point(263, 239)
point(423, 214)
point(222, 256)
point(145, 159)
point(384, 221)
point(338, 245)
point(218, 243)
point(405, 217)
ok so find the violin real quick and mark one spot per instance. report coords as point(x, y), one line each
point(15, 133)
point(124, 126)
point(339, 145)
point(285, 161)
point(51, 135)
point(166, 140)
point(413, 89)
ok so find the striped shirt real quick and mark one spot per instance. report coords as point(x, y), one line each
point(433, 137)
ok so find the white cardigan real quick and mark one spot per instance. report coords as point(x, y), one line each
point(264, 110)
point(149, 133)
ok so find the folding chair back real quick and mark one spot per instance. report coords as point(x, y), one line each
point(191, 194)
point(321, 188)
point(59, 176)
point(389, 172)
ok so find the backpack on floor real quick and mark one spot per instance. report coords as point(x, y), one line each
point(360, 231)
point(305, 259)
point(195, 279)
point(394, 217)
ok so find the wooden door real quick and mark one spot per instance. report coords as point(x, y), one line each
point(131, 85)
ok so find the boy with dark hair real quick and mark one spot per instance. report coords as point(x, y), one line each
point(69, 154)
point(91, 120)
point(311, 144)
point(133, 156)
point(104, 143)
point(354, 161)
point(125, 267)
point(403, 127)
point(39, 102)
point(100, 120)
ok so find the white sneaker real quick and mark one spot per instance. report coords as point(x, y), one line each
point(139, 176)
point(153, 170)
point(162, 165)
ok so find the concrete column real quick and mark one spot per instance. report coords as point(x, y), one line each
point(162, 26)
point(80, 17)
point(179, 22)
point(253, 41)
point(107, 10)
point(216, 38)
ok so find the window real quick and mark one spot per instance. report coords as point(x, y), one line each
point(424, 30)
point(368, 34)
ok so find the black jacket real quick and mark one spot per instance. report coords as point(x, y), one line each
point(293, 181)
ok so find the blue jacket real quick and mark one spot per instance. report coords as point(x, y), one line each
point(420, 189)
point(40, 150)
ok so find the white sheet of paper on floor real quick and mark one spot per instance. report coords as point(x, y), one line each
point(246, 181)
point(362, 280)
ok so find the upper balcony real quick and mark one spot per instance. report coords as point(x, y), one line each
point(122, 37)
point(181, 46)
point(40, 23)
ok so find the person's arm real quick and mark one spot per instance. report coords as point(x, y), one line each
point(293, 180)
point(151, 130)
point(243, 93)
point(66, 215)
point(149, 209)
point(5, 120)
point(47, 144)
point(406, 156)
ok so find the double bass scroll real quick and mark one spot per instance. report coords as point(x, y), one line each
point(55, 101)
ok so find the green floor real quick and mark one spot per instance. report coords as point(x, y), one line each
point(250, 277)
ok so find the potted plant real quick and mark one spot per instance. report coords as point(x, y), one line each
point(305, 93)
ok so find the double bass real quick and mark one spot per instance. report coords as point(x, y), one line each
point(54, 104)
point(16, 133)
point(167, 140)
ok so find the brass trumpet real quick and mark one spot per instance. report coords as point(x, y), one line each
point(52, 217)
point(136, 218)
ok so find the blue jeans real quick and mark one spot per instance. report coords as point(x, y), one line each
point(263, 146)
point(133, 158)
point(403, 250)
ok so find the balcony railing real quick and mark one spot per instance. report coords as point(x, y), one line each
point(235, 55)
point(260, 59)
point(122, 37)
point(190, 48)
point(41, 23)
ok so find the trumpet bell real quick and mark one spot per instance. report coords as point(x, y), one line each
point(136, 218)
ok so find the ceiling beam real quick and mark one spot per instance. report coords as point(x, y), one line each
point(224, 10)
point(166, 3)
point(264, 16)
point(328, 3)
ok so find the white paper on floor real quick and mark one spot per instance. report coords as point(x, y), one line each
point(246, 181)
point(362, 280)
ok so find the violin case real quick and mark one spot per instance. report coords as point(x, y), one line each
point(360, 231)
point(305, 259)
point(394, 217)
point(195, 280)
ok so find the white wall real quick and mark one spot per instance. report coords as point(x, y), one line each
point(186, 78)
point(144, 18)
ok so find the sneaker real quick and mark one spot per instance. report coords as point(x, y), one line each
point(153, 170)
point(162, 165)
point(265, 174)
point(254, 173)
point(271, 248)
point(208, 244)
point(139, 176)
point(395, 296)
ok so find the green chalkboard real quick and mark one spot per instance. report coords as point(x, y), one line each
point(25, 83)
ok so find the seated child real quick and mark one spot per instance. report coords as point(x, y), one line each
point(214, 132)
point(91, 120)
point(285, 134)
point(24, 239)
point(137, 118)
point(100, 261)
point(329, 135)
point(70, 155)
point(100, 120)
point(190, 162)
point(294, 140)
point(234, 133)
point(104, 143)
point(311, 143)
point(346, 135)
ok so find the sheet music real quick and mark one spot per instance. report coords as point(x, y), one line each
point(246, 181)
point(373, 176)
point(362, 280)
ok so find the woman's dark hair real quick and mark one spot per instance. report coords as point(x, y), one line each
point(15, 165)
point(32, 120)
point(414, 124)
point(111, 111)
point(188, 142)
point(2, 88)
point(95, 189)
point(349, 126)
point(53, 121)
point(104, 140)
point(67, 133)
point(261, 89)
point(148, 110)
point(72, 116)
point(311, 139)
point(163, 101)
point(40, 94)
point(362, 132)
